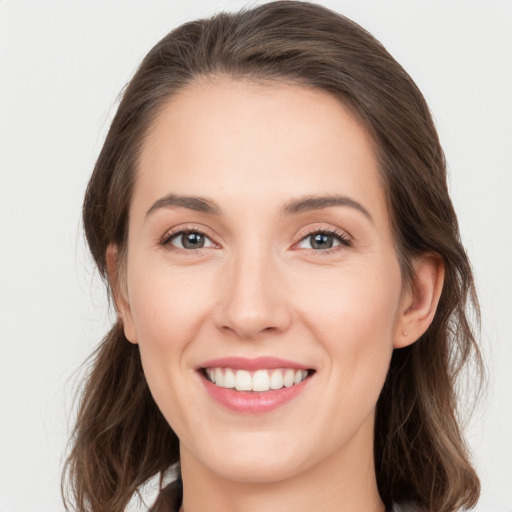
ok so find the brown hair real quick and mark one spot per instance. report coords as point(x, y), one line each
point(120, 438)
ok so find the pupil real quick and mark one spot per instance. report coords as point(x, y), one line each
point(193, 240)
point(322, 241)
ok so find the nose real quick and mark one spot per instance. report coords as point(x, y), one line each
point(252, 298)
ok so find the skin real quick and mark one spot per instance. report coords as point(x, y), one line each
point(259, 288)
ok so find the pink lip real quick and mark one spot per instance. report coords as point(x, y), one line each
point(252, 402)
point(260, 363)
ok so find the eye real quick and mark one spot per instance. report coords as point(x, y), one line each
point(323, 240)
point(188, 240)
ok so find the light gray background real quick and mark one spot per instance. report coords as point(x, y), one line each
point(62, 66)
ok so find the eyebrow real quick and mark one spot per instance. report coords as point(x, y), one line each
point(300, 205)
point(196, 203)
point(311, 203)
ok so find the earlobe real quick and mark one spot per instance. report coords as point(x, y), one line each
point(119, 292)
point(420, 302)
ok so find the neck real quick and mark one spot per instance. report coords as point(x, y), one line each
point(343, 482)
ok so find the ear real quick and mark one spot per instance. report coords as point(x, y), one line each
point(420, 300)
point(117, 278)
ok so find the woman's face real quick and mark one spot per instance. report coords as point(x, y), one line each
point(260, 254)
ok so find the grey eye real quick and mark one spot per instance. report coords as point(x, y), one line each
point(324, 240)
point(190, 240)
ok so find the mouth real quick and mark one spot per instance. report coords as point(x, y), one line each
point(255, 381)
point(254, 386)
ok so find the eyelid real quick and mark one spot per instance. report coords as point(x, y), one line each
point(344, 238)
point(166, 238)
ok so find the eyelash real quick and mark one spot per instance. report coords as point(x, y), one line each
point(168, 237)
point(342, 238)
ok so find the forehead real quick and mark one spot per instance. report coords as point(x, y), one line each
point(257, 143)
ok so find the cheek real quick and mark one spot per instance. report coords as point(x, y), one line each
point(166, 305)
point(353, 314)
point(167, 311)
point(353, 301)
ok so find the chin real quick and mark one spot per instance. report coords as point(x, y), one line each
point(255, 470)
point(262, 459)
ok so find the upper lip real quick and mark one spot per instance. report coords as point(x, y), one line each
point(258, 363)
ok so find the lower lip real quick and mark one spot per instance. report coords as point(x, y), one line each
point(253, 402)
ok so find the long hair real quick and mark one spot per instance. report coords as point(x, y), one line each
point(120, 438)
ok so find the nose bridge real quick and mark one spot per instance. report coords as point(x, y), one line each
point(253, 299)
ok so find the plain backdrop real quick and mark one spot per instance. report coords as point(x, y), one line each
point(62, 66)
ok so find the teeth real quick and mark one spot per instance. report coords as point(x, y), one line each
point(288, 378)
point(229, 379)
point(260, 380)
point(276, 381)
point(219, 377)
point(243, 381)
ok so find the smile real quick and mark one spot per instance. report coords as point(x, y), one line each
point(259, 380)
point(254, 386)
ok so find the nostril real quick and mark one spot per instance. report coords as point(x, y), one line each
point(245, 331)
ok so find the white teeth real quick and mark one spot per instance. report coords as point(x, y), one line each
point(219, 377)
point(276, 381)
point(260, 380)
point(243, 381)
point(229, 379)
point(288, 378)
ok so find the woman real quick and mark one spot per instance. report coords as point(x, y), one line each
point(271, 215)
